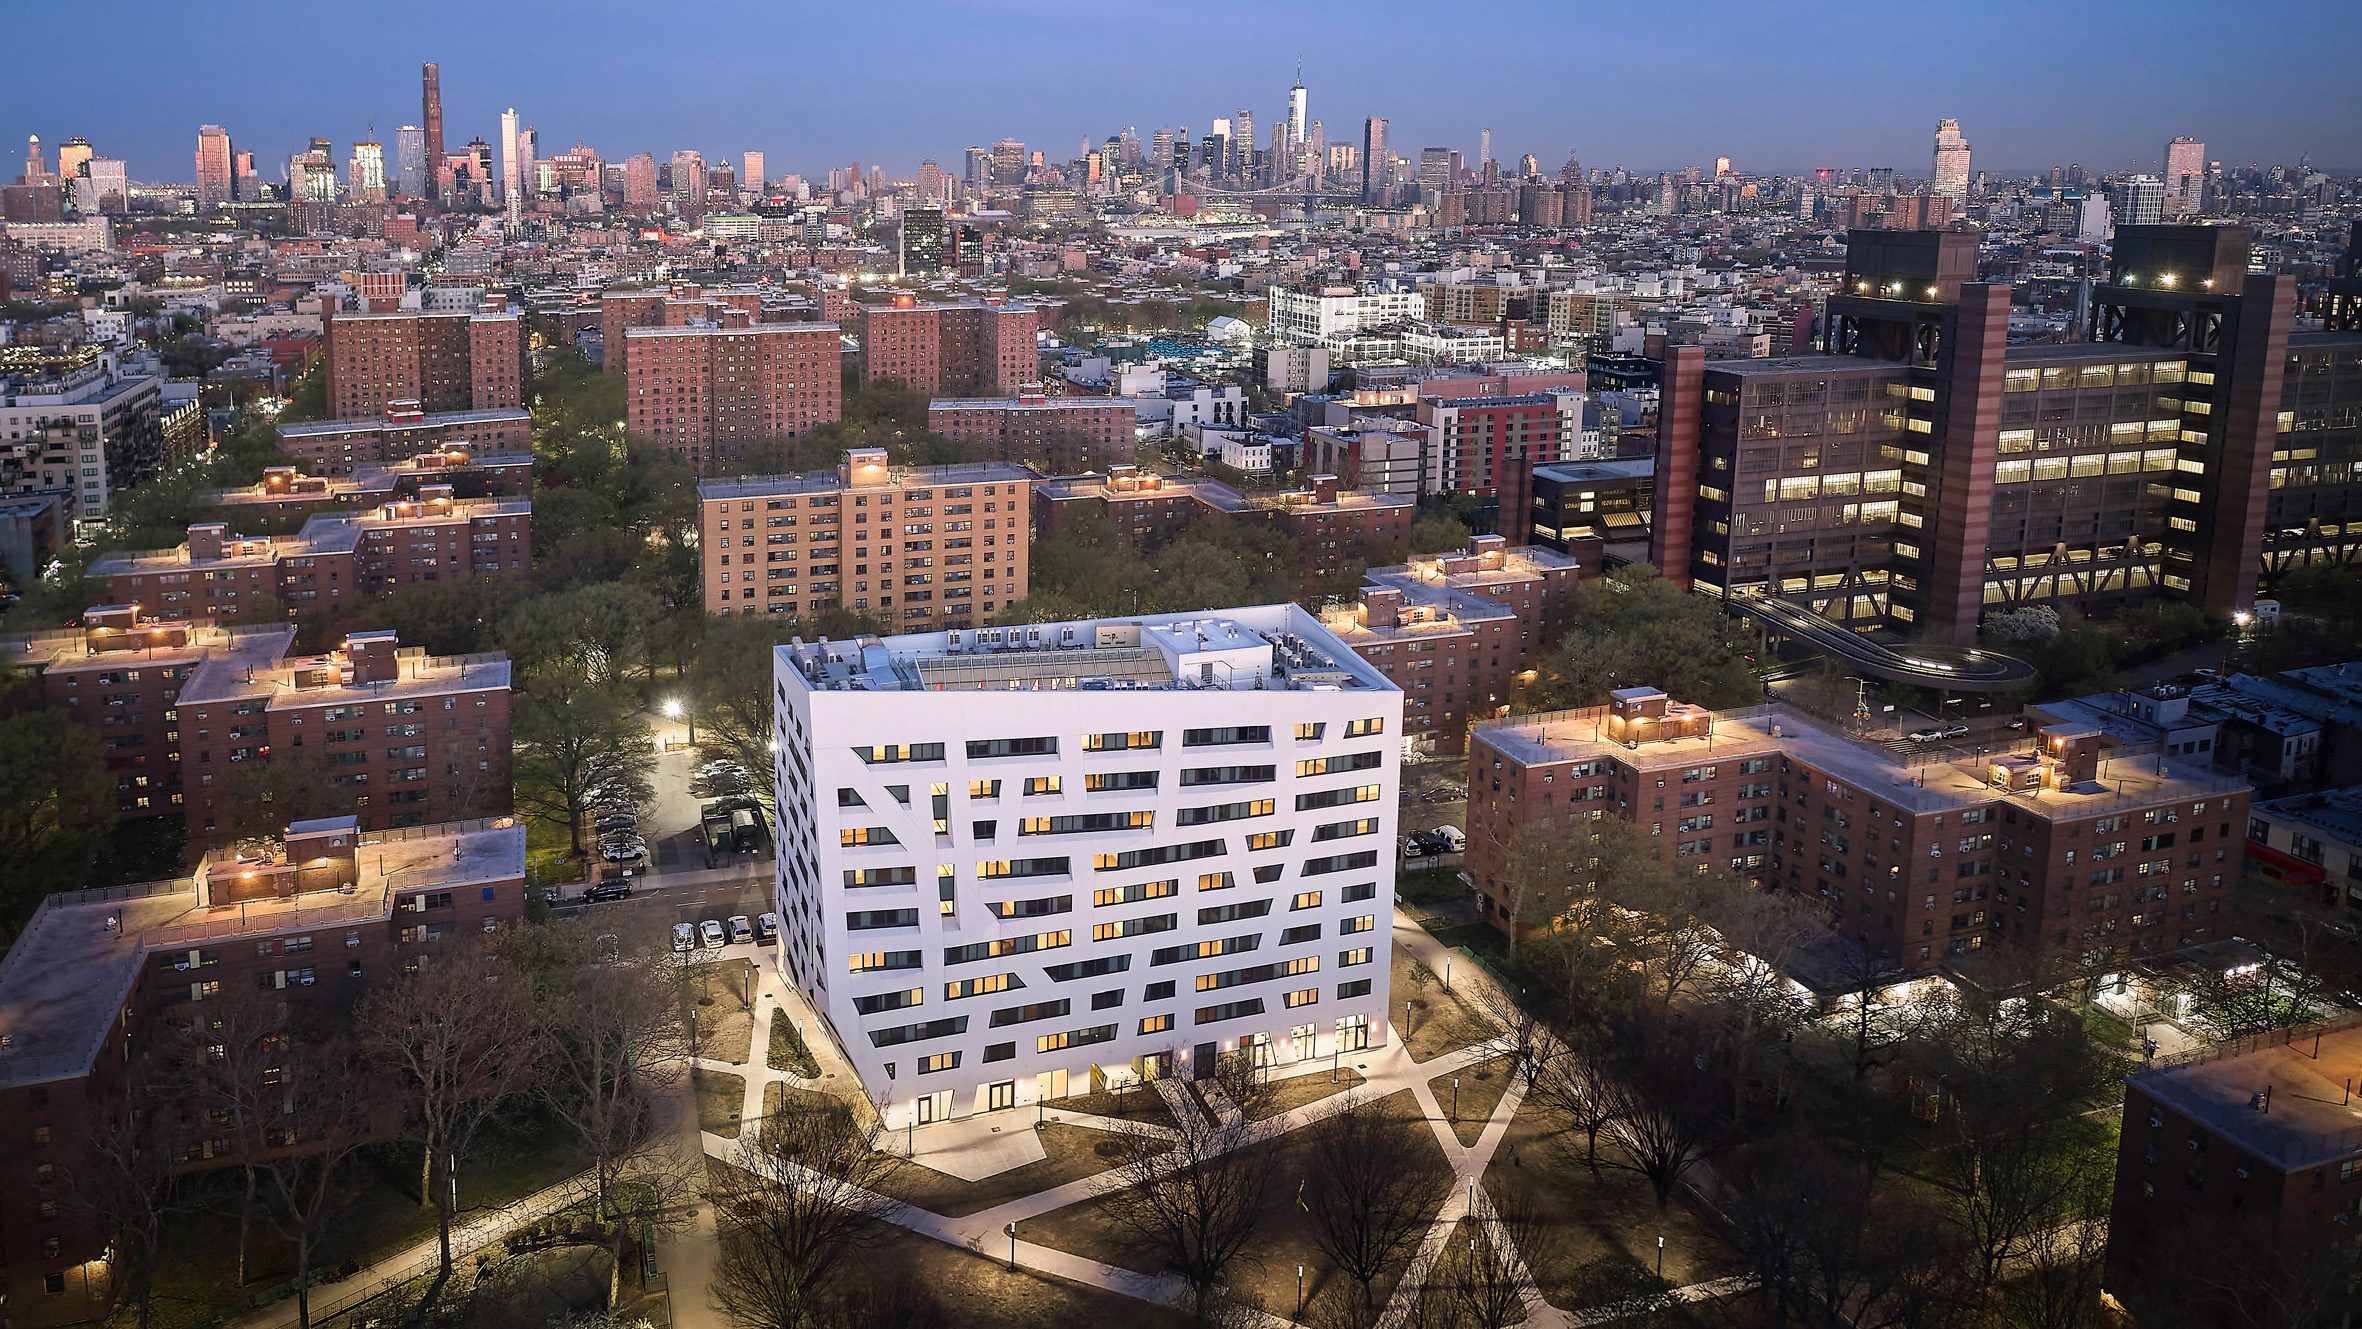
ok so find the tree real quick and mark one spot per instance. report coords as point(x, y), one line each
point(261, 796)
point(1540, 877)
point(795, 1205)
point(459, 1038)
point(1487, 1265)
point(579, 739)
point(612, 1038)
point(122, 1185)
point(1369, 1209)
point(1196, 1196)
point(1633, 628)
point(1577, 1095)
point(730, 684)
point(225, 1064)
point(57, 804)
point(1747, 995)
point(332, 1100)
point(1665, 1111)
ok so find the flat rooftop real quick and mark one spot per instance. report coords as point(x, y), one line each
point(2313, 1118)
point(707, 327)
point(1264, 648)
point(73, 967)
point(1601, 471)
point(250, 672)
point(439, 420)
point(1125, 404)
point(828, 482)
point(2336, 812)
point(1932, 780)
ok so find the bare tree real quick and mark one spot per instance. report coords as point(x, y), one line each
point(122, 1185)
point(1540, 876)
point(458, 1036)
point(1530, 1046)
point(1369, 1205)
point(612, 1039)
point(2056, 1283)
point(1747, 993)
point(1578, 1096)
point(1665, 1112)
point(224, 1060)
point(795, 1205)
point(2007, 1188)
point(1194, 1197)
point(332, 1108)
point(1486, 1266)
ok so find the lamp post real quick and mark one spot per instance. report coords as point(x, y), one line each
point(1299, 1293)
point(1447, 973)
point(1660, 1259)
point(1406, 1017)
point(1455, 1100)
point(1012, 1246)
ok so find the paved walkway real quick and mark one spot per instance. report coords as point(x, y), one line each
point(970, 1149)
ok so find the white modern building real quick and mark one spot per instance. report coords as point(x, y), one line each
point(1337, 311)
point(1026, 862)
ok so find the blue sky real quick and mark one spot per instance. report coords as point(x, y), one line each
point(1778, 87)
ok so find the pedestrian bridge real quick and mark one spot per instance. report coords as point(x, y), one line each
point(1946, 668)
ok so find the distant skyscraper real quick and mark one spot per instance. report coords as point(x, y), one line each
point(431, 118)
point(752, 177)
point(2185, 176)
point(410, 173)
point(2140, 201)
point(36, 165)
point(365, 174)
point(1008, 164)
point(931, 183)
point(512, 175)
point(1951, 162)
point(688, 170)
point(215, 168)
point(1242, 146)
point(1721, 167)
point(244, 187)
point(977, 167)
point(921, 241)
point(1484, 147)
point(1296, 107)
point(72, 156)
point(639, 181)
point(1529, 167)
point(1435, 174)
point(1160, 152)
point(1373, 157)
point(104, 186)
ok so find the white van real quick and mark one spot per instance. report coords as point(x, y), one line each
point(1453, 841)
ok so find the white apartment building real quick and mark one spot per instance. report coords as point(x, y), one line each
point(1026, 862)
point(85, 432)
point(1335, 312)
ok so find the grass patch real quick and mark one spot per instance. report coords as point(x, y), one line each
point(1429, 886)
point(1586, 1218)
point(720, 1096)
point(776, 1096)
point(1283, 1096)
point(725, 1027)
point(788, 1051)
point(1482, 1087)
point(976, 1289)
point(1071, 1153)
point(1440, 1021)
point(1284, 1239)
point(1139, 1103)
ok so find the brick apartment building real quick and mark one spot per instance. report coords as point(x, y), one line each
point(443, 362)
point(286, 495)
point(919, 548)
point(953, 350)
point(679, 305)
point(2248, 1154)
point(120, 674)
point(2059, 845)
point(333, 557)
point(706, 390)
point(1060, 435)
point(1489, 447)
point(1454, 630)
point(410, 737)
point(1335, 533)
point(1928, 472)
point(399, 431)
point(96, 979)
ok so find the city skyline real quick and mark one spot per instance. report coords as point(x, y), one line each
point(724, 105)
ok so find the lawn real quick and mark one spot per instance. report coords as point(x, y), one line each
point(1284, 1241)
point(1429, 886)
point(1482, 1087)
point(976, 1291)
point(1281, 1096)
point(196, 1283)
point(777, 1096)
point(1073, 1152)
point(1589, 1223)
point(1139, 1104)
point(1440, 1021)
point(788, 1052)
point(724, 1027)
point(720, 1097)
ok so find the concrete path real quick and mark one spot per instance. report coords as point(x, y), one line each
point(1386, 1070)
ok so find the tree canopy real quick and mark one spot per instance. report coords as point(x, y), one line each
point(1633, 628)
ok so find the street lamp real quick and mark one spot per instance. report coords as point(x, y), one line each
point(1299, 1292)
point(1455, 1100)
point(1012, 1245)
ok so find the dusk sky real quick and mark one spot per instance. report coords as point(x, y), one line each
point(1778, 87)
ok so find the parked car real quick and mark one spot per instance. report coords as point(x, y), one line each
point(623, 851)
point(1925, 736)
point(615, 821)
point(1449, 837)
point(2018, 723)
point(608, 890)
point(766, 927)
point(742, 929)
point(684, 937)
point(2207, 675)
point(1416, 846)
point(1444, 794)
point(711, 933)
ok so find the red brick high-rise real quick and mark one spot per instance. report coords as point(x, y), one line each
point(439, 362)
point(707, 390)
point(954, 350)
